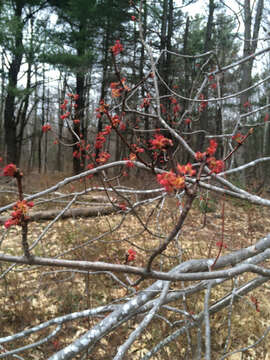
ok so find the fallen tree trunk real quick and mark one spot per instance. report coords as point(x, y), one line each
point(70, 213)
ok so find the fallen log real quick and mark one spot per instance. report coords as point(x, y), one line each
point(70, 213)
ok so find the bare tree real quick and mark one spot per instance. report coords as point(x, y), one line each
point(163, 283)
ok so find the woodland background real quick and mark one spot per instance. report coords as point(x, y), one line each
point(134, 160)
point(51, 48)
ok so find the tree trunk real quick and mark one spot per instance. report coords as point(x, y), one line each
point(204, 118)
point(14, 68)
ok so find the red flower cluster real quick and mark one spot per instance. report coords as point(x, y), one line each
point(118, 88)
point(115, 120)
point(247, 104)
point(170, 181)
point(186, 169)
point(131, 255)
point(117, 48)
point(103, 157)
point(239, 138)
point(203, 104)
point(20, 212)
point(137, 149)
point(10, 170)
point(215, 165)
point(146, 102)
point(64, 116)
point(160, 142)
point(47, 127)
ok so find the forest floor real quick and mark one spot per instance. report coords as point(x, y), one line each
point(31, 295)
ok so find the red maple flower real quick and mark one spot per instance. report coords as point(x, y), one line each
point(20, 212)
point(131, 255)
point(200, 156)
point(132, 157)
point(64, 116)
point(187, 121)
point(186, 169)
point(46, 128)
point(133, 18)
point(212, 148)
point(10, 170)
point(239, 138)
point(103, 157)
point(107, 130)
point(247, 104)
point(160, 142)
point(115, 120)
point(221, 244)
point(255, 302)
point(176, 109)
point(64, 105)
point(215, 165)
point(123, 206)
point(76, 121)
point(170, 181)
point(137, 149)
point(146, 101)
point(122, 126)
point(117, 48)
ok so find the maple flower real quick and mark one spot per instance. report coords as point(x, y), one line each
point(146, 101)
point(46, 128)
point(122, 126)
point(132, 157)
point(118, 87)
point(186, 169)
point(117, 48)
point(266, 118)
point(131, 255)
point(170, 181)
point(122, 206)
point(107, 130)
point(212, 148)
point(20, 212)
point(215, 165)
point(160, 142)
point(133, 18)
point(238, 138)
point(137, 149)
point(129, 163)
point(103, 108)
point(221, 244)
point(64, 116)
point(100, 140)
point(247, 104)
point(203, 104)
point(187, 121)
point(115, 120)
point(200, 156)
point(76, 121)
point(103, 157)
point(64, 105)
point(176, 109)
point(10, 170)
